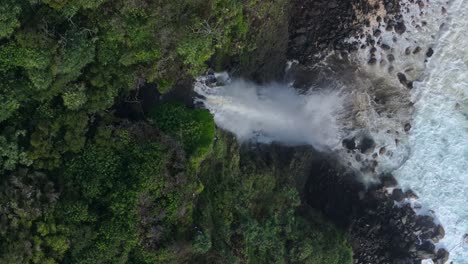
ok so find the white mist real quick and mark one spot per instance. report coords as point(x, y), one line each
point(274, 112)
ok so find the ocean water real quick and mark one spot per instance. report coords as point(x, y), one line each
point(437, 167)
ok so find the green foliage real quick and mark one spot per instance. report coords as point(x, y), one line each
point(125, 188)
point(196, 52)
point(75, 96)
point(7, 107)
point(11, 154)
point(9, 11)
point(252, 215)
point(131, 192)
point(193, 127)
point(26, 234)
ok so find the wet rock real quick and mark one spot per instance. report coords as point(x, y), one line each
point(389, 27)
point(439, 234)
point(385, 47)
point(444, 11)
point(430, 52)
point(410, 85)
point(402, 78)
point(349, 143)
point(366, 145)
point(407, 127)
point(408, 51)
point(377, 33)
point(372, 61)
point(411, 195)
point(426, 250)
point(323, 24)
point(389, 181)
point(382, 151)
point(397, 195)
point(400, 27)
point(358, 157)
point(442, 256)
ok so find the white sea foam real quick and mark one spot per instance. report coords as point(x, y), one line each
point(437, 168)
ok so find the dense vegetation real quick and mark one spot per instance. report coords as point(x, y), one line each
point(80, 185)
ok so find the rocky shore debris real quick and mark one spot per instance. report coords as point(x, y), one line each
point(382, 224)
point(381, 218)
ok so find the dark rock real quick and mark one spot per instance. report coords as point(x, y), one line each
point(382, 151)
point(402, 78)
point(366, 145)
point(349, 143)
point(438, 234)
point(325, 24)
point(358, 157)
point(411, 195)
point(430, 52)
point(407, 127)
point(408, 51)
point(397, 195)
point(372, 61)
point(377, 33)
point(442, 256)
point(391, 57)
point(409, 85)
point(417, 50)
point(389, 181)
point(385, 47)
point(426, 250)
point(444, 11)
point(400, 27)
point(389, 27)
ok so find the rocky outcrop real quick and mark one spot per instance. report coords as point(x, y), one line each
point(382, 225)
point(323, 25)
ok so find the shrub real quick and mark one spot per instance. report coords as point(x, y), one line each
point(193, 127)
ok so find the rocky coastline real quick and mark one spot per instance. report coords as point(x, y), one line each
point(379, 218)
point(382, 225)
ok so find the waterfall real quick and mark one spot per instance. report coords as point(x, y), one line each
point(274, 112)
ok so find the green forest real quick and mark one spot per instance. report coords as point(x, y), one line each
point(80, 184)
